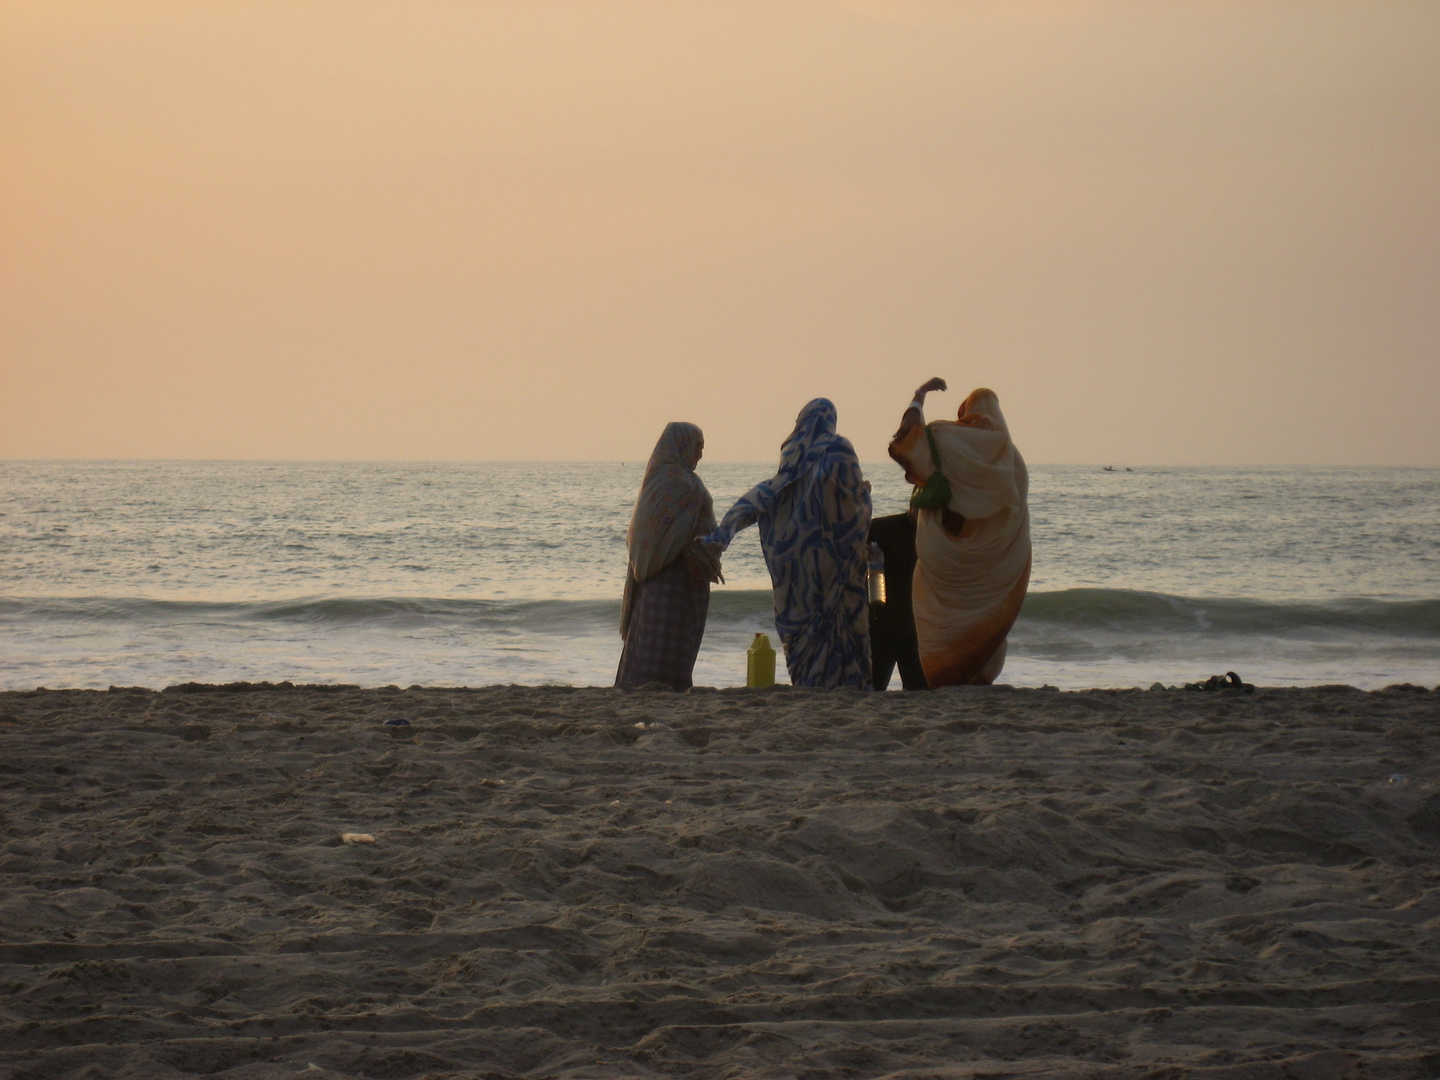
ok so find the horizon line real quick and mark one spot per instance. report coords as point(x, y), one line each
point(1116, 464)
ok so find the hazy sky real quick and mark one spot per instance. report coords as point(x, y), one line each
point(1163, 232)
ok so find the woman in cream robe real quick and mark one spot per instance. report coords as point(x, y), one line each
point(973, 554)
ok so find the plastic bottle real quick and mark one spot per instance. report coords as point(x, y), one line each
point(760, 663)
point(875, 579)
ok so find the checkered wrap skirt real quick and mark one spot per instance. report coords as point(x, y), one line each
point(667, 622)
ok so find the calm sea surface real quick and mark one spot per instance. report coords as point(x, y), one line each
point(153, 573)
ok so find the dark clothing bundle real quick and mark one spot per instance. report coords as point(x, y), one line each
point(892, 624)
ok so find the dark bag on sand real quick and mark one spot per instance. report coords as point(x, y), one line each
point(935, 495)
point(1228, 681)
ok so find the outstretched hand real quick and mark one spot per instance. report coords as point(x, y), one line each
point(936, 383)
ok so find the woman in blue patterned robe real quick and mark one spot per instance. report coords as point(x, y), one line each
point(814, 517)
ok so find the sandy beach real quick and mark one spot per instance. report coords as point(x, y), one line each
point(589, 883)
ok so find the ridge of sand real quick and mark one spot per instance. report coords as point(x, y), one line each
point(590, 883)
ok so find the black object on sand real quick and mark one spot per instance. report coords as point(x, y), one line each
point(1228, 681)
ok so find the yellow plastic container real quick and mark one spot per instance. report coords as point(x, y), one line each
point(760, 663)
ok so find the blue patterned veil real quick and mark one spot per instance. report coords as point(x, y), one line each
point(805, 447)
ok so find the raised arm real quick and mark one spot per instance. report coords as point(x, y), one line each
point(915, 414)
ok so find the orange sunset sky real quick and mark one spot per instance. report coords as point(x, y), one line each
point(1203, 232)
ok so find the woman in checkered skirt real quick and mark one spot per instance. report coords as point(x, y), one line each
point(667, 584)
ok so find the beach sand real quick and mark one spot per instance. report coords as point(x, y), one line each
point(784, 883)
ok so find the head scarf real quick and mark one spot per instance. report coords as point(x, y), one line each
point(674, 505)
point(985, 471)
point(813, 438)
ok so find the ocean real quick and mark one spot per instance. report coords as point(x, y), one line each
point(151, 573)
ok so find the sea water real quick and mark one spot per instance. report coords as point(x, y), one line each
point(154, 573)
